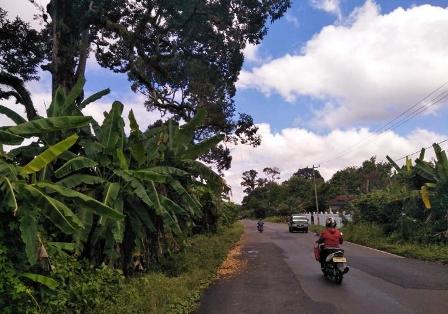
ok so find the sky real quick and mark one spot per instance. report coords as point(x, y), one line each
point(321, 86)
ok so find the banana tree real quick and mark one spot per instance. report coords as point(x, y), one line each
point(30, 200)
point(431, 180)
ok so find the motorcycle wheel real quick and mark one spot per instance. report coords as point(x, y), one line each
point(338, 278)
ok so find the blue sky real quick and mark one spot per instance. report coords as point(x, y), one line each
point(326, 76)
point(302, 22)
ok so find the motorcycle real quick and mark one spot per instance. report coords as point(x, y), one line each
point(335, 265)
point(260, 228)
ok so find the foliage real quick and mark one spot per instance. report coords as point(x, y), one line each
point(82, 288)
point(125, 201)
point(14, 294)
point(373, 236)
point(249, 181)
point(190, 272)
point(171, 51)
point(18, 38)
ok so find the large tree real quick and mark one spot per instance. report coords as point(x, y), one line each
point(180, 54)
point(249, 180)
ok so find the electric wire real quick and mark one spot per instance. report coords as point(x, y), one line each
point(418, 151)
point(399, 120)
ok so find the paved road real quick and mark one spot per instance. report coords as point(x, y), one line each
point(282, 276)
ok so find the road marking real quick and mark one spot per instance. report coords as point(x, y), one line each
point(371, 248)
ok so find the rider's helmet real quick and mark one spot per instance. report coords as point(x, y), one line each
point(330, 222)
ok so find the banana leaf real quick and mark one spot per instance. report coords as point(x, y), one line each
point(78, 179)
point(28, 152)
point(8, 170)
point(87, 201)
point(62, 216)
point(146, 175)
point(393, 163)
point(138, 189)
point(112, 131)
point(196, 150)
point(8, 138)
point(122, 159)
point(144, 217)
point(43, 280)
point(425, 170)
point(442, 162)
point(66, 246)
point(93, 98)
point(136, 140)
point(50, 154)
point(28, 233)
point(8, 200)
point(12, 115)
point(71, 97)
point(46, 125)
point(111, 194)
point(73, 165)
point(184, 135)
point(56, 103)
point(214, 181)
point(187, 199)
point(169, 171)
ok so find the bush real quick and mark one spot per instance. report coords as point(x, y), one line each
point(15, 297)
point(82, 288)
point(373, 236)
point(188, 274)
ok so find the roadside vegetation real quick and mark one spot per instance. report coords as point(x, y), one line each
point(91, 209)
point(186, 274)
point(373, 236)
point(402, 210)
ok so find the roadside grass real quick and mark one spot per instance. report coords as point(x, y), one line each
point(315, 228)
point(276, 219)
point(196, 267)
point(373, 236)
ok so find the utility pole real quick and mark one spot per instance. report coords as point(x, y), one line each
point(315, 188)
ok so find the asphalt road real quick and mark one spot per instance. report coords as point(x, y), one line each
point(282, 276)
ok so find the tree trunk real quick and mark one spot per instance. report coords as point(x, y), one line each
point(70, 45)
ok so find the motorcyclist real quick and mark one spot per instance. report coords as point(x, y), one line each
point(260, 223)
point(331, 238)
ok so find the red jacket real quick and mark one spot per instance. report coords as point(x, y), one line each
point(331, 237)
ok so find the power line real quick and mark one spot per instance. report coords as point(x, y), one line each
point(418, 151)
point(407, 115)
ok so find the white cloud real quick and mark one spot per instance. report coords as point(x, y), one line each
point(251, 53)
point(295, 148)
point(367, 69)
point(292, 20)
point(330, 6)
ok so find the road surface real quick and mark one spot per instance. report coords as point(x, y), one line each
point(282, 277)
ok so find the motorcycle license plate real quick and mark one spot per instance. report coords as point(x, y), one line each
point(339, 260)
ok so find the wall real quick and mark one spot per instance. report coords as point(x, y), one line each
point(319, 218)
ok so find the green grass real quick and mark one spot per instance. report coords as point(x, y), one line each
point(197, 264)
point(373, 236)
point(315, 228)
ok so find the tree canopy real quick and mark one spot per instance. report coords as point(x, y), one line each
point(180, 54)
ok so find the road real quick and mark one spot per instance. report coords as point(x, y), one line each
point(282, 276)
